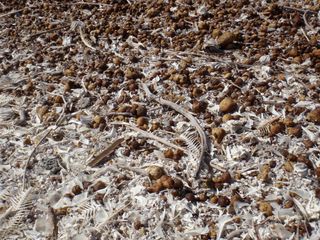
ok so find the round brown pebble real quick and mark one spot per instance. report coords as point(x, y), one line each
point(304, 159)
point(155, 126)
point(198, 107)
point(223, 178)
point(51, 88)
point(155, 188)
point(141, 111)
point(202, 197)
point(314, 116)
point(155, 172)
point(223, 201)
point(316, 53)
point(178, 155)
point(214, 199)
point(288, 204)
point(137, 224)
point(276, 128)
point(116, 61)
point(190, 197)
point(265, 208)
point(295, 131)
point(264, 173)
point(99, 197)
point(58, 99)
point(218, 134)
point(169, 153)
point(141, 121)
point(215, 33)
point(98, 119)
point(67, 86)
point(227, 105)
point(76, 190)
point(167, 182)
point(293, 52)
point(131, 73)
point(288, 122)
point(69, 72)
point(226, 38)
point(227, 117)
point(99, 185)
point(178, 184)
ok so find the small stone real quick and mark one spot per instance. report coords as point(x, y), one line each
point(76, 190)
point(295, 131)
point(98, 119)
point(196, 92)
point(214, 199)
point(226, 38)
point(137, 224)
point(190, 197)
point(99, 185)
point(305, 160)
point(27, 141)
point(202, 25)
point(227, 117)
point(265, 208)
point(272, 164)
point(169, 153)
point(223, 178)
point(155, 188)
point(131, 73)
point(227, 105)
point(178, 155)
point(179, 78)
point(122, 108)
point(178, 184)
point(218, 134)
point(215, 33)
point(92, 86)
point(314, 116)
point(141, 111)
point(41, 111)
point(288, 122)
point(223, 201)
point(293, 52)
point(288, 204)
point(155, 126)
point(69, 72)
point(288, 166)
point(58, 99)
point(155, 172)
point(264, 173)
point(202, 197)
point(67, 86)
point(141, 121)
point(167, 182)
point(116, 60)
point(276, 128)
point(199, 107)
point(51, 88)
point(316, 53)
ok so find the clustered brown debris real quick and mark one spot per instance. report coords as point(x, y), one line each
point(248, 71)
